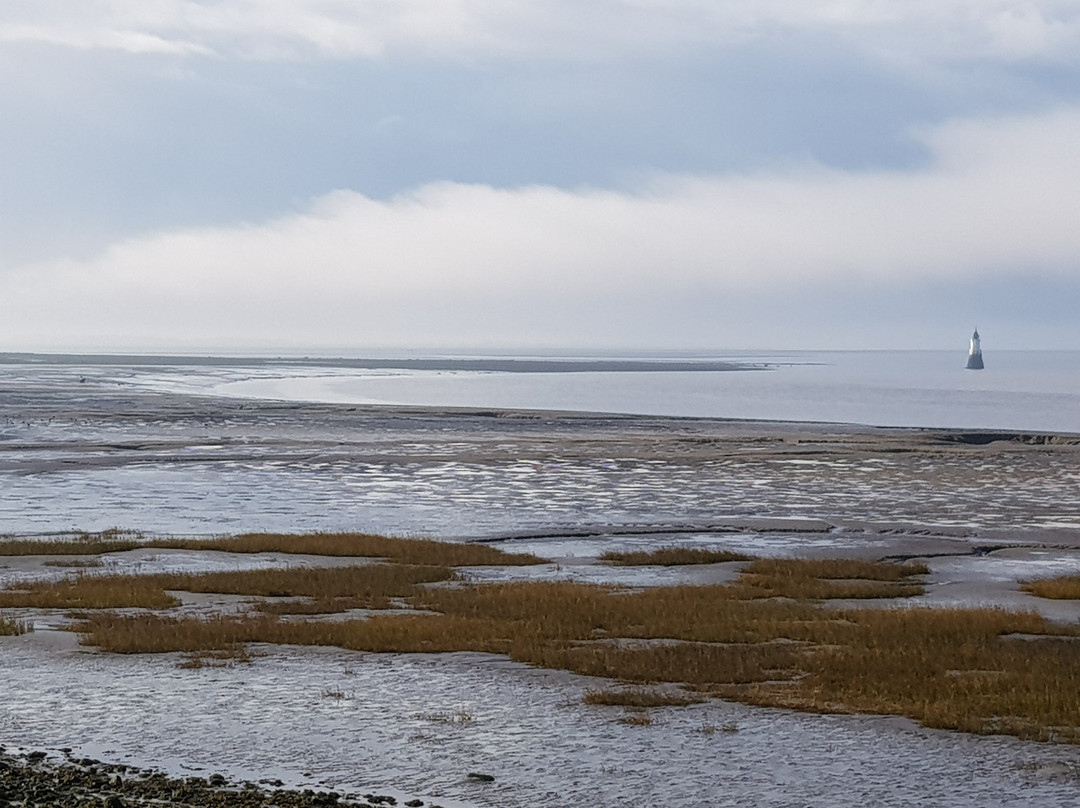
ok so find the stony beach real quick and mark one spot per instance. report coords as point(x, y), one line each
point(35, 779)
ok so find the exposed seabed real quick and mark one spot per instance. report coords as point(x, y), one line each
point(985, 511)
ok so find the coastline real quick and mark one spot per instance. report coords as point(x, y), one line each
point(983, 508)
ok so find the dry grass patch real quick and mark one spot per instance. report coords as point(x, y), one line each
point(84, 545)
point(151, 633)
point(369, 586)
point(1065, 587)
point(672, 557)
point(834, 569)
point(223, 658)
point(953, 668)
point(13, 627)
point(947, 668)
point(90, 592)
point(830, 578)
point(640, 698)
point(360, 545)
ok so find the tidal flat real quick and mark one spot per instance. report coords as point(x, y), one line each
point(982, 512)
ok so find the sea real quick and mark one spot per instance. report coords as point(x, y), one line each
point(1036, 391)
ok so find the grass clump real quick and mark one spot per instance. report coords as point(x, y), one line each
point(13, 627)
point(365, 586)
point(219, 658)
point(359, 545)
point(1065, 587)
point(834, 569)
point(672, 556)
point(90, 592)
point(108, 541)
point(977, 670)
point(371, 586)
point(950, 668)
point(830, 578)
point(73, 563)
point(640, 698)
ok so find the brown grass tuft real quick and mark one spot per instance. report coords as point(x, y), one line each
point(86, 545)
point(672, 556)
point(834, 569)
point(944, 667)
point(367, 586)
point(830, 578)
point(1065, 587)
point(10, 626)
point(90, 592)
point(359, 545)
point(640, 698)
point(964, 669)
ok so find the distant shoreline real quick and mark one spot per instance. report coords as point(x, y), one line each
point(471, 364)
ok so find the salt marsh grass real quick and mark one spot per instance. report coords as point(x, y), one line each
point(13, 627)
point(951, 668)
point(90, 592)
point(359, 545)
point(87, 545)
point(834, 568)
point(831, 578)
point(1066, 587)
point(672, 556)
point(761, 640)
point(403, 551)
point(640, 698)
point(366, 586)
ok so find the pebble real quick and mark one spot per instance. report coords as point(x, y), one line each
point(30, 779)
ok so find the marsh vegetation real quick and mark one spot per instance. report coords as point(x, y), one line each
point(1064, 587)
point(356, 545)
point(10, 626)
point(671, 557)
point(771, 637)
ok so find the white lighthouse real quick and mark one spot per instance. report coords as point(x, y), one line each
point(975, 360)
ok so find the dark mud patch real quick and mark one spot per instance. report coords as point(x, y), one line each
point(984, 438)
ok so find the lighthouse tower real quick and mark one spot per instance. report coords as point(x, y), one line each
point(975, 361)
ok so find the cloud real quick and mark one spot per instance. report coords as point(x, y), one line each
point(98, 38)
point(348, 29)
point(998, 200)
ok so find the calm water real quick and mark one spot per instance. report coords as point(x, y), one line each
point(1019, 390)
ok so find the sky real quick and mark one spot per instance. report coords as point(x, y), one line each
point(357, 176)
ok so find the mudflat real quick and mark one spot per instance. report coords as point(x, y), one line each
point(982, 510)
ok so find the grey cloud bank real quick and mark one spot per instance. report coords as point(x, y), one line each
point(948, 29)
point(651, 174)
